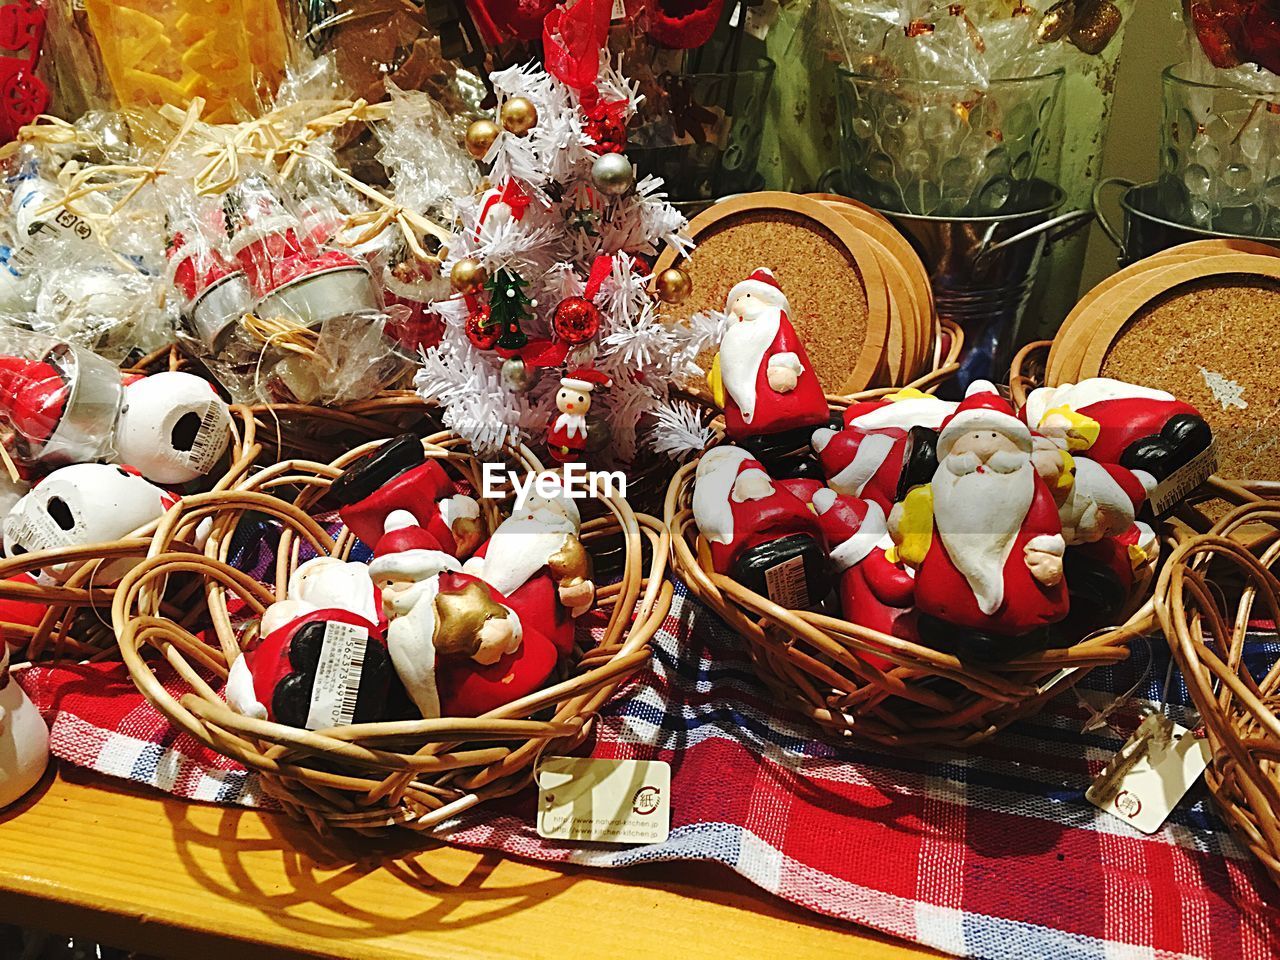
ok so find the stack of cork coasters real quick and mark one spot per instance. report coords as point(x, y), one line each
point(859, 293)
point(1197, 321)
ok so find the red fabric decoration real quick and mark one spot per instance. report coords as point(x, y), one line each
point(683, 24)
point(23, 96)
point(572, 38)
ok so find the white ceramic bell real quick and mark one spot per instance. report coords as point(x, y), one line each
point(173, 427)
point(24, 738)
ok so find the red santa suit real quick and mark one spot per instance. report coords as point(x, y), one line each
point(759, 338)
point(865, 458)
point(974, 572)
point(1102, 415)
point(875, 592)
point(737, 506)
point(531, 555)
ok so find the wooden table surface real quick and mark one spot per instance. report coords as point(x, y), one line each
point(129, 868)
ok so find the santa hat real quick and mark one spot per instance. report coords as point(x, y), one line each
point(854, 527)
point(983, 409)
point(585, 379)
point(763, 285)
point(33, 396)
point(718, 471)
point(406, 550)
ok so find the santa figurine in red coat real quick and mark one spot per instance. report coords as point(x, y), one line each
point(1116, 422)
point(984, 535)
point(460, 646)
point(567, 437)
point(762, 375)
point(876, 590)
point(758, 531)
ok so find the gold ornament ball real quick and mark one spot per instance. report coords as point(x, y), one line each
point(518, 116)
point(468, 276)
point(480, 137)
point(673, 285)
point(613, 174)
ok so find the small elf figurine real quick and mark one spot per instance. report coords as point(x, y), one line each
point(567, 437)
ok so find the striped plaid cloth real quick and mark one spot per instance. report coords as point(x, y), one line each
point(993, 853)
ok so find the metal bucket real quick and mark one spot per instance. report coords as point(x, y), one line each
point(983, 270)
point(1144, 231)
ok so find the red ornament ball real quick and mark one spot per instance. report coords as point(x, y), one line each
point(481, 330)
point(577, 320)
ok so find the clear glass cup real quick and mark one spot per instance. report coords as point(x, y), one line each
point(1219, 156)
point(931, 148)
point(705, 142)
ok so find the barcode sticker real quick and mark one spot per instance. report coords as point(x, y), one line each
point(212, 437)
point(1174, 488)
point(786, 584)
point(337, 686)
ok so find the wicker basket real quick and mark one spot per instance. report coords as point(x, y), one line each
point(819, 665)
point(371, 776)
point(1207, 632)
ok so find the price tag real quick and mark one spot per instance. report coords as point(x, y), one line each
point(1174, 488)
point(786, 584)
point(1145, 780)
point(608, 801)
point(337, 686)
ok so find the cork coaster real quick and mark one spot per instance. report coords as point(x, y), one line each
point(1076, 331)
point(1202, 331)
point(829, 272)
point(1217, 246)
point(876, 226)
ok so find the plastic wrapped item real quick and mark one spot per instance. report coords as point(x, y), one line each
point(60, 401)
point(152, 52)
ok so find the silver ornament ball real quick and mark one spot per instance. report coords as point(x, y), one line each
point(516, 376)
point(613, 174)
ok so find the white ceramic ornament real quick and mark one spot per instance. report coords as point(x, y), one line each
point(173, 427)
point(323, 583)
point(24, 738)
point(82, 504)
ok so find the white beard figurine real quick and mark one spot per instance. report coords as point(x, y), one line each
point(24, 738)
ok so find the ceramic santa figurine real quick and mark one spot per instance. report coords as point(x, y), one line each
point(536, 560)
point(398, 476)
point(567, 437)
point(325, 668)
point(173, 427)
point(876, 590)
point(759, 532)
point(762, 375)
point(1117, 422)
point(866, 457)
point(460, 647)
point(24, 738)
point(325, 583)
point(1096, 500)
point(984, 535)
point(82, 504)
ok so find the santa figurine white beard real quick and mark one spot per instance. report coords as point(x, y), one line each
point(985, 532)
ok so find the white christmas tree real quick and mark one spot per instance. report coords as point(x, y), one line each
point(550, 208)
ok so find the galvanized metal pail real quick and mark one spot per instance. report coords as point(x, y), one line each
point(1145, 231)
point(983, 270)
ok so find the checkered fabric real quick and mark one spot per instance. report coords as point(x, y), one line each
point(993, 853)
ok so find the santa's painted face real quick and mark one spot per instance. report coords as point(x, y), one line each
point(747, 306)
point(399, 594)
point(987, 450)
point(569, 400)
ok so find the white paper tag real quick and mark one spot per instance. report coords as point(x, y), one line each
point(1145, 780)
point(211, 439)
point(619, 10)
point(608, 801)
point(786, 584)
point(1174, 488)
point(337, 686)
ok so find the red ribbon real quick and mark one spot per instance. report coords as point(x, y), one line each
point(572, 38)
point(600, 268)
